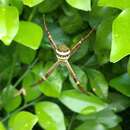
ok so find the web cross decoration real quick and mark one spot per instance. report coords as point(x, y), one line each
point(63, 53)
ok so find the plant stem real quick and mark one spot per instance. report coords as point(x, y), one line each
point(32, 14)
point(25, 73)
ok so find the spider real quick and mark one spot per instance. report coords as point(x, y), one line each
point(63, 53)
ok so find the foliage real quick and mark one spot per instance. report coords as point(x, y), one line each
point(25, 55)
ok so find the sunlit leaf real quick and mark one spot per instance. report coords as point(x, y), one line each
point(2, 126)
point(27, 36)
point(81, 103)
point(50, 116)
point(23, 121)
point(121, 84)
point(120, 36)
point(80, 4)
point(121, 4)
point(10, 99)
point(98, 82)
point(32, 3)
point(9, 24)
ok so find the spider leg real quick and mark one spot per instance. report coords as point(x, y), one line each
point(73, 75)
point(78, 44)
point(53, 45)
point(48, 73)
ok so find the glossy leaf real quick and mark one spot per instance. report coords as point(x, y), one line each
point(81, 77)
point(120, 36)
point(121, 4)
point(32, 3)
point(80, 4)
point(103, 40)
point(50, 116)
point(49, 5)
point(98, 83)
point(9, 24)
point(106, 117)
point(23, 121)
point(91, 125)
point(121, 84)
point(27, 36)
point(2, 126)
point(10, 99)
point(81, 103)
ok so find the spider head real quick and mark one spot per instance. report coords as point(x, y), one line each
point(63, 52)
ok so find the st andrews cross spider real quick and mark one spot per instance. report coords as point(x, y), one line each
point(63, 53)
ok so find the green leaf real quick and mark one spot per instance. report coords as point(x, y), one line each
point(50, 116)
point(128, 66)
point(18, 4)
point(118, 102)
point(57, 33)
point(27, 36)
point(83, 49)
point(53, 85)
point(80, 4)
point(32, 92)
point(91, 125)
point(9, 24)
point(103, 40)
point(25, 54)
point(120, 36)
point(10, 99)
point(32, 3)
point(6, 62)
point(121, 4)
point(98, 83)
point(49, 5)
point(106, 117)
point(2, 126)
point(121, 84)
point(81, 103)
point(74, 25)
point(100, 13)
point(23, 121)
point(81, 77)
